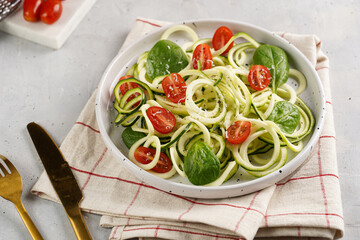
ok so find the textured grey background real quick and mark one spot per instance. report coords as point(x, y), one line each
point(51, 87)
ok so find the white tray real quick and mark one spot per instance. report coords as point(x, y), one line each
point(53, 36)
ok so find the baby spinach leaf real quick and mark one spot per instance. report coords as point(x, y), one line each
point(130, 136)
point(286, 116)
point(275, 59)
point(164, 58)
point(201, 165)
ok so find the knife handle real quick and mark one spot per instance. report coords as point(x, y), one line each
point(78, 224)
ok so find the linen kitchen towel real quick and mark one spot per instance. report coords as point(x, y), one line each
point(305, 204)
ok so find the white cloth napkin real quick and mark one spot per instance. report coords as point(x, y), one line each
point(305, 204)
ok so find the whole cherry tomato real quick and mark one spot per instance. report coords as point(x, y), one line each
point(145, 155)
point(50, 11)
point(31, 10)
point(259, 77)
point(202, 54)
point(221, 37)
point(174, 88)
point(238, 132)
point(162, 120)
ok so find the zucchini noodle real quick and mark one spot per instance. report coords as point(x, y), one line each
point(215, 99)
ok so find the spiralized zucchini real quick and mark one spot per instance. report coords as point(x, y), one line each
point(215, 98)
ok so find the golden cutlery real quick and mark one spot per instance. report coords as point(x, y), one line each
point(11, 189)
point(61, 178)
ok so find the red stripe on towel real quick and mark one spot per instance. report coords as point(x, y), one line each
point(93, 169)
point(188, 210)
point(114, 232)
point(132, 202)
point(247, 210)
point(128, 222)
point(156, 231)
point(153, 24)
point(308, 177)
point(84, 124)
point(265, 218)
point(322, 185)
point(320, 68)
point(328, 136)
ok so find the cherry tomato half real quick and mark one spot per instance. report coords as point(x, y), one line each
point(221, 37)
point(31, 10)
point(50, 11)
point(162, 120)
point(174, 88)
point(238, 132)
point(202, 53)
point(127, 86)
point(145, 155)
point(259, 77)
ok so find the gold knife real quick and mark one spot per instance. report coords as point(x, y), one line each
point(61, 178)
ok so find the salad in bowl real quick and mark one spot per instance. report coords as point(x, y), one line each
point(209, 112)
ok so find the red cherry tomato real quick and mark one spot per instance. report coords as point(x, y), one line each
point(127, 86)
point(259, 77)
point(221, 37)
point(238, 132)
point(50, 11)
point(202, 53)
point(174, 88)
point(145, 155)
point(162, 120)
point(31, 10)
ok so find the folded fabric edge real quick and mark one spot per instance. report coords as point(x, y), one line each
point(166, 231)
point(160, 231)
point(123, 222)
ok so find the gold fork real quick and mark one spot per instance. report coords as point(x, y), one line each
point(11, 189)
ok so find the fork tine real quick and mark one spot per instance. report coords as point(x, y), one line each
point(10, 166)
point(3, 169)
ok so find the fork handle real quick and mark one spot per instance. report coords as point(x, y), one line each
point(35, 234)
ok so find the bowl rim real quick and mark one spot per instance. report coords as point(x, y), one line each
point(223, 190)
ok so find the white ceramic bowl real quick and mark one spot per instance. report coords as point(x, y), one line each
point(238, 185)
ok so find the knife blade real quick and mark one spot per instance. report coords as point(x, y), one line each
point(61, 178)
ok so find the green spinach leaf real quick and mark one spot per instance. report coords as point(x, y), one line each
point(286, 116)
point(275, 59)
point(164, 58)
point(130, 136)
point(201, 165)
